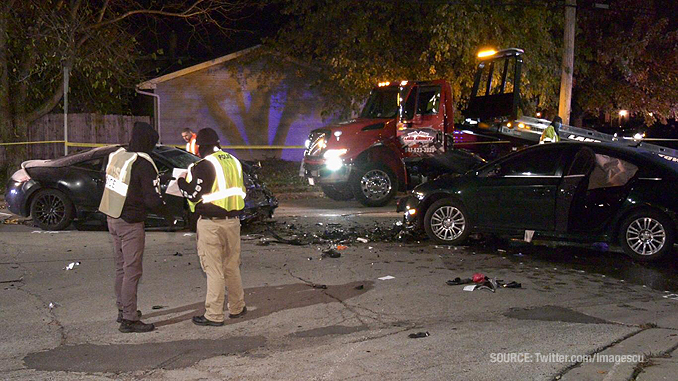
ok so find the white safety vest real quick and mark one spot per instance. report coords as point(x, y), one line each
point(118, 175)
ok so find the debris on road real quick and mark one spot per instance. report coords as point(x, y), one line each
point(71, 266)
point(360, 287)
point(479, 278)
point(13, 280)
point(512, 284)
point(387, 277)
point(470, 288)
point(418, 335)
point(189, 234)
point(178, 254)
point(670, 296)
point(157, 307)
point(363, 240)
point(458, 281)
point(331, 253)
point(53, 305)
point(600, 246)
point(342, 247)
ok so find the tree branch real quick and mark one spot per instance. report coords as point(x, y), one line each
point(48, 104)
point(102, 12)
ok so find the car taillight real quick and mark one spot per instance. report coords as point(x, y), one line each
point(20, 176)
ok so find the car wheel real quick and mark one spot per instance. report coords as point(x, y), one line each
point(647, 236)
point(374, 184)
point(51, 210)
point(337, 192)
point(446, 222)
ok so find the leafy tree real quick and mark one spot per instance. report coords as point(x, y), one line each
point(360, 43)
point(93, 38)
point(625, 57)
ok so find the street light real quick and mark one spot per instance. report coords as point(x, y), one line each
point(623, 113)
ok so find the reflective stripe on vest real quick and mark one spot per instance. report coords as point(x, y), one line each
point(228, 198)
point(191, 146)
point(118, 175)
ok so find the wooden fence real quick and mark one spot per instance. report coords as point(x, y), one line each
point(82, 128)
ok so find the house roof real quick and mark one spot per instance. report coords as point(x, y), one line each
point(152, 83)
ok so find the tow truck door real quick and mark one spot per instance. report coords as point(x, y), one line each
point(423, 120)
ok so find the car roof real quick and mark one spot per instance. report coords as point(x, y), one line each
point(79, 157)
point(665, 162)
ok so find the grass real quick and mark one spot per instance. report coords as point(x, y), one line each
point(282, 176)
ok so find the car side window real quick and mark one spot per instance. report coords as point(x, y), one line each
point(91, 165)
point(429, 100)
point(542, 162)
point(610, 171)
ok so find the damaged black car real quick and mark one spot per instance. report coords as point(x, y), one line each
point(60, 191)
point(573, 191)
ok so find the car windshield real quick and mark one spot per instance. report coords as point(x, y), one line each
point(176, 157)
point(383, 103)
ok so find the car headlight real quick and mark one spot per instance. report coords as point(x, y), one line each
point(333, 159)
point(334, 153)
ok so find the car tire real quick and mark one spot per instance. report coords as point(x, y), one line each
point(51, 210)
point(338, 192)
point(374, 184)
point(647, 235)
point(446, 222)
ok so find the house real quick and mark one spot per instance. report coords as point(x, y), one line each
point(260, 105)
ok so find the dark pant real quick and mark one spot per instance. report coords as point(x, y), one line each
point(128, 243)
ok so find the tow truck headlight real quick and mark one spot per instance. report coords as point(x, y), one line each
point(307, 143)
point(333, 159)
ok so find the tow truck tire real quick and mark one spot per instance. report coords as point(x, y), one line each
point(373, 184)
point(647, 235)
point(340, 192)
point(446, 222)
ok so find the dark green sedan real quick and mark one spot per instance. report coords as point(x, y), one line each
point(574, 191)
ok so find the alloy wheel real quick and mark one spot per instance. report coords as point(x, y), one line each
point(50, 209)
point(375, 184)
point(645, 236)
point(448, 223)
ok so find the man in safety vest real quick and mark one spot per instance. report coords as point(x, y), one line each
point(215, 191)
point(190, 137)
point(131, 190)
point(550, 134)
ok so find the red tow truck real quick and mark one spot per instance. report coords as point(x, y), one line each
point(405, 134)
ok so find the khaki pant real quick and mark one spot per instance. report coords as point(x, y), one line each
point(219, 253)
point(128, 244)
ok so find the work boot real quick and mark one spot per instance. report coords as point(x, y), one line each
point(202, 320)
point(119, 319)
point(129, 326)
point(238, 315)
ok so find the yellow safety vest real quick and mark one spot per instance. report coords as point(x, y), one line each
point(118, 175)
point(549, 135)
point(228, 189)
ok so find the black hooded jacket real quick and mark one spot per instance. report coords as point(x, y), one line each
point(142, 194)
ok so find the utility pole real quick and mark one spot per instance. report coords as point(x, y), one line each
point(568, 61)
point(66, 79)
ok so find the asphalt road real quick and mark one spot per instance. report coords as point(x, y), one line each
point(573, 302)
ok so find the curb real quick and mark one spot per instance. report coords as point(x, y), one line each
point(648, 343)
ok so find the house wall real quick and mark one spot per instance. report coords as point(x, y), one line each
point(248, 102)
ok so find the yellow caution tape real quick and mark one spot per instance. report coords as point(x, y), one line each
point(40, 142)
point(247, 147)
